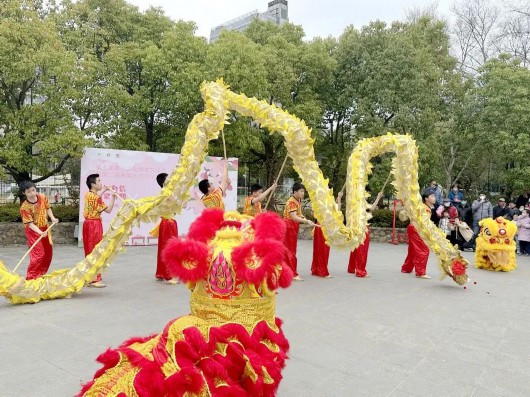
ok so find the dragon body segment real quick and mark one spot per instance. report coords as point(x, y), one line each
point(204, 127)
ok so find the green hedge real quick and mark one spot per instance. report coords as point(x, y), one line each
point(381, 218)
point(9, 213)
point(65, 213)
point(69, 213)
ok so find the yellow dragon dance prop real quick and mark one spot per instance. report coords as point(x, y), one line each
point(204, 127)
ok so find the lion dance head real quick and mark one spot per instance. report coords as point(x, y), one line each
point(231, 344)
point(495, 245)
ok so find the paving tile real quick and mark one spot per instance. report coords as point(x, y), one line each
point(387, 335)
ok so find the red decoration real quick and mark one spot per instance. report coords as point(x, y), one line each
point(186, 259)
point(458, 268)
point(269, 225)
point(205, 226)
point(234, 224)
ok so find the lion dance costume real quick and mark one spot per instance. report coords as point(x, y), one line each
point(496, 245)
point(231, 344)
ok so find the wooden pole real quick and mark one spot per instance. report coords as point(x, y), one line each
point(374, 205)
point(277, 179)
point(386, 182)
point(116, 195)
point(224, 143)
point(33, 246)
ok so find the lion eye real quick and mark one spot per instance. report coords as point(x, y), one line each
point(487, 231)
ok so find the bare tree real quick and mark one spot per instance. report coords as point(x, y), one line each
point(521, 7)
point(476, 33)
point(515, 37)
point(515, 33)
point(413, 14)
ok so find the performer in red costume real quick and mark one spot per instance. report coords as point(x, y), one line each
point(319, 265)
point(359, 256)
point(34, 212)
point(418, 252)
point(92, 226)
point(252, 205)
point(213, 197)
point(293, 218)
point(166, 229)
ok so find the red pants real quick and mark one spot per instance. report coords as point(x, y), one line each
point(418, 253)
point(319, 266)
point(92, 235)
point(291, 242)
point(40, 257)
point(359, 257)
point(167, 230)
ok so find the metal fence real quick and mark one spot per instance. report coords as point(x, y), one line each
point(54, 188)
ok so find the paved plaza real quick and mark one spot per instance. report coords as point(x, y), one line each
point(388, 335)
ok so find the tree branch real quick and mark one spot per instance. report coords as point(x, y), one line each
point(259, 155)
point(54, 171)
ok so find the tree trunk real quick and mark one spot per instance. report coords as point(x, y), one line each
point(149, 132)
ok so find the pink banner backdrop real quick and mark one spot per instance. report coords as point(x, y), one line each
point(133, 174)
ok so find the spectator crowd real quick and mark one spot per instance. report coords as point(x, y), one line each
point(460, 221)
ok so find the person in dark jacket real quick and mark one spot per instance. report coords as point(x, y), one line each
point(522, 200)
point(501, 209)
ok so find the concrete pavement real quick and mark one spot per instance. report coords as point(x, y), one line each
point(388, 335)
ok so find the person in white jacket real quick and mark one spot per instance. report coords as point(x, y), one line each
point(523, 223)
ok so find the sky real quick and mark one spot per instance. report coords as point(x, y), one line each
point(318, 18)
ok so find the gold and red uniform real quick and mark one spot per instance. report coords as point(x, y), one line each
point(251, 209)
point(214, 199)
point(418, 252)
point(92, 226)
point(291, 234)
point(41, 255)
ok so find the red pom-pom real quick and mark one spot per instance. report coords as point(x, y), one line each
point(149, 381)
point(458, 268)
point(205, 226)
point(269, 225)
point(186, 259)
point(254, 262)
point(186, 380)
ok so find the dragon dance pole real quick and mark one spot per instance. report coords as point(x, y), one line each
point(277, 179)
point(33, 246)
